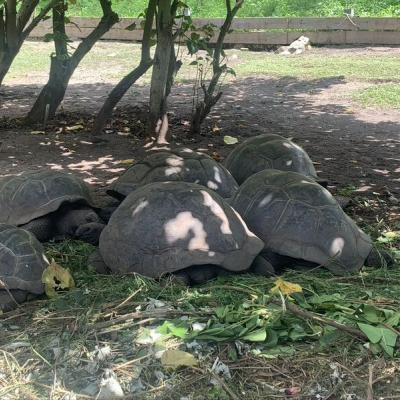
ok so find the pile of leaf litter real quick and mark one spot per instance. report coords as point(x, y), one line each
point(305, 335)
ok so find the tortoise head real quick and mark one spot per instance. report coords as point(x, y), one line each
point(81, 223)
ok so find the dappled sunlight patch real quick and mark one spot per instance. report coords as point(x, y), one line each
point(267, 199)
point(182, 227)
point(217, 175)
point(55, 167)
point(212, 185)
point(336, 247)
point(172, 171)
point(86, 165)
point(140, 207)
point(217, 210)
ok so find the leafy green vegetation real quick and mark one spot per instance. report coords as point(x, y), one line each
point(380, 96)
point(236, 319)
point(253, 8)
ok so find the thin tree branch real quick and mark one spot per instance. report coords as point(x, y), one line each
point(107, 21)
point(43, 12)
point(326, 321)
point(25, 12)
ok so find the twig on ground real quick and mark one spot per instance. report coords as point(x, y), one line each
point(227, 389)
point(155, 314)
point(370, 391)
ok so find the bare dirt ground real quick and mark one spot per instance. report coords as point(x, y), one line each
point(355, 149)
point(352, 147)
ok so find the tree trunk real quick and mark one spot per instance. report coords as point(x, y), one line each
point(6, 61)
point(63, 65)
point(158, 119)
point(205, 106)
point(123, 86)
point(117, 93)
point(53, 92)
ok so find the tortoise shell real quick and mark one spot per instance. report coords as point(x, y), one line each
point(22, 260)
point(31, 195)
point(166, 227)
point(268, 152)
point(298, 218)
point(180, 165)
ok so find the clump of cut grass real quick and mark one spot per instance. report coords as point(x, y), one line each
point(52, 346)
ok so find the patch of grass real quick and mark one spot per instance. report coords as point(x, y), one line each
point(316, 64)
point(380, 96)
point(111, 61)
point(33, 59)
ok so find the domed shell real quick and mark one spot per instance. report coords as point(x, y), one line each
point(31, 195)
point(266, 152)
point(22, 260)
point(296, 217)
point(180, 165)
point(165, 227)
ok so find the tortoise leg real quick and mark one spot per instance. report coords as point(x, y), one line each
point(261, 266)
point(200, 274)
point(379, 258)
point(96, 262)
point(183, 277)
point(43, 228)
point(8, 303)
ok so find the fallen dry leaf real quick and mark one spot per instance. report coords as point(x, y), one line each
point(229, 140)
point(56, 278)
point(286, 287)
point(174, 359)
point(128, 162)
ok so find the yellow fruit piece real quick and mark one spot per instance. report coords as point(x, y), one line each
point(286, 287)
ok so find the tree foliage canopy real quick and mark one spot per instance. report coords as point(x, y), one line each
point(255, 8)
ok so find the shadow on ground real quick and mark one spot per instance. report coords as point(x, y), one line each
point(350, 147)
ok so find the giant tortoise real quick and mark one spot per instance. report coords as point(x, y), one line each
point(175, 165)
point(301, 223)
point(265, 152)
point(22, 262)
point(50, 204)
point(176, 227)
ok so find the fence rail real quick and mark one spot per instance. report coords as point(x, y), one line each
point(262, 31)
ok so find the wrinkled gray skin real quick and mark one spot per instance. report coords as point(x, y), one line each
point(163, 228)
point(301, 223)
point(266, 152)
point(22, 263)
point(176, 165)
point(51, 205)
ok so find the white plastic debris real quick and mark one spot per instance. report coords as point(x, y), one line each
point(110, 388)
point(220, 369)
